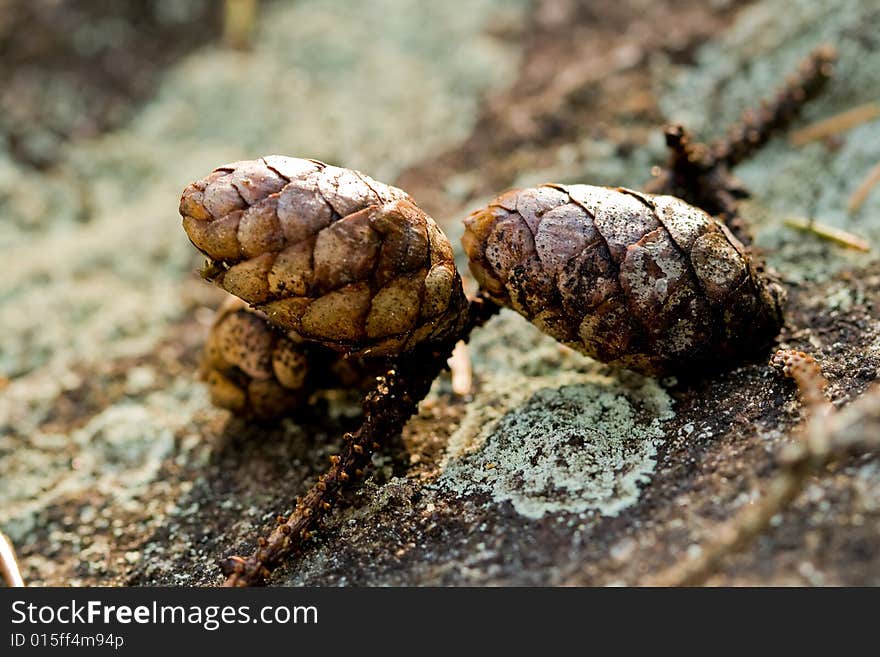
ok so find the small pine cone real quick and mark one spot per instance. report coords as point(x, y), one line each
point(328, 253)
point(251, 368)
point(641, 281)
point(254, 369)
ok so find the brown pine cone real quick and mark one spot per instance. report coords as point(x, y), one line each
point(253, 368)
point(645, 282)
point(328, 253)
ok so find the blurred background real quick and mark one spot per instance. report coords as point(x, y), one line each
point(108, 109)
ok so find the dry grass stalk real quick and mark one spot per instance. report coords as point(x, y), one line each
point(836, 124)
point(841, 237)
point(863, 190)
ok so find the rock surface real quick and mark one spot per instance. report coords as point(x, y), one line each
point(115, 469)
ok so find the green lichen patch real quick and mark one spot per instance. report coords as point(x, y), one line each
point(578, 439)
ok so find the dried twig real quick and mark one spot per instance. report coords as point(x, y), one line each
point(9, 564)
point(830, 233)
point(700, 173)
point(836, 124)
point(757, 126)
point(386, 410)
point(825, 436)
point(863, 190)
point(808, 376)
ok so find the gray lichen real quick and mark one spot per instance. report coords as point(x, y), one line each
point(117, 454)
point(573, 439)
point(813, 180)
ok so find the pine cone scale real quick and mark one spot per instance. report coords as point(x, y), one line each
point(327, 253)
point(642, 281)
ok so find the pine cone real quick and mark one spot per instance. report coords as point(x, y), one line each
point(327, 253)
point(253, 368)
point(645, 282)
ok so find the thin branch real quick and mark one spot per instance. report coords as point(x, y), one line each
point(700, 174)
point(757, 126)
point(808, 377)
point(825, 436)
point(386, 410)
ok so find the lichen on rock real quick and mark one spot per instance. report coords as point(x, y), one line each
point(566, 442)
point(786, 180)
